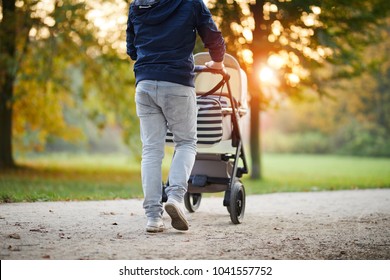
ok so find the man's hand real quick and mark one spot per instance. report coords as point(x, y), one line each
point(214, 65)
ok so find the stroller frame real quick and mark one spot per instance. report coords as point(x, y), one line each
point(216, 172)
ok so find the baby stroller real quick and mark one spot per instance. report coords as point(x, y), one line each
point(220, 161)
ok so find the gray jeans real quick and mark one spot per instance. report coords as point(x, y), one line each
point(161, 105)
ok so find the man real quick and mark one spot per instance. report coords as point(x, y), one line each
point(161, 37)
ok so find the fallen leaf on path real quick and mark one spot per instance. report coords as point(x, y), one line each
point(46, 257)
point(41, 230)
point(14, 236)
point(107, 213)
point(14, 249)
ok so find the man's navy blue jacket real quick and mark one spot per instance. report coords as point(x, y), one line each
point(161, 36)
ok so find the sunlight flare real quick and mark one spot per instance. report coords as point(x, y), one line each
point(267, 75)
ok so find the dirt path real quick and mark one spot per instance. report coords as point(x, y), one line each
point(315, 225)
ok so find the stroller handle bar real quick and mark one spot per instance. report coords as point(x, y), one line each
point(202, 68)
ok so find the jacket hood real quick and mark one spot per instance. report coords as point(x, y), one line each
point(154, 11)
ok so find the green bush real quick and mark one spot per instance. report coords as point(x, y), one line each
point(307, 143)
point(362, 139)
point(352, 139)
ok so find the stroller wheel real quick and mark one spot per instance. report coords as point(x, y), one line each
point(192, 201)
point(237, 203)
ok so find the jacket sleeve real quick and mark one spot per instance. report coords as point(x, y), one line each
point(208, 32)
point(130, 48)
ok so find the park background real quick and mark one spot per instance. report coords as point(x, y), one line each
point(319, 94)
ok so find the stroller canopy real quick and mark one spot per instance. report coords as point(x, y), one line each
point(238, 79)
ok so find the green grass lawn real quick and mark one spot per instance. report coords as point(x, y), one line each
point(71, 177)
point(290, 173)
point(93, 177)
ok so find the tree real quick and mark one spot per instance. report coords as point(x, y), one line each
point(56, 57)
point(7, 78)
point(296, 38)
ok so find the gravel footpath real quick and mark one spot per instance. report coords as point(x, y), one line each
point(315, 225)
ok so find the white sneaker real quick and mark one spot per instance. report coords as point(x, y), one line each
point(155, 225)
point(174, 210)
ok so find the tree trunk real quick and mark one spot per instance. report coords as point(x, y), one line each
point(7, 78)
point(255, 135)
point(258, 48)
